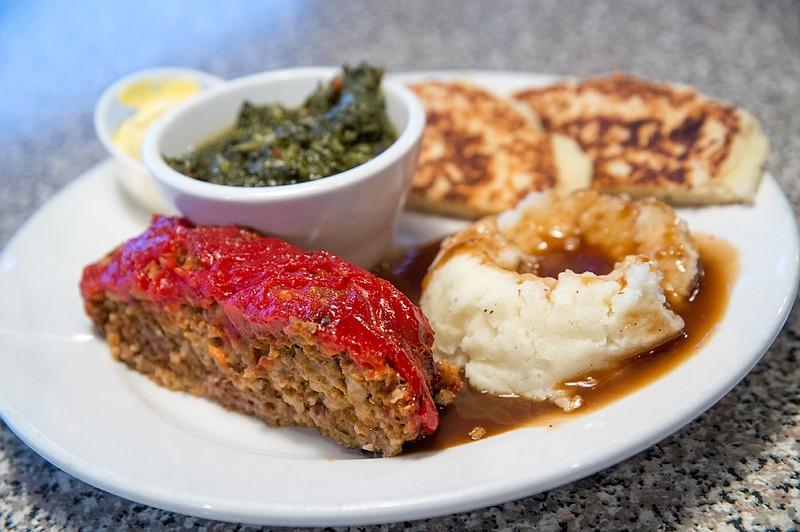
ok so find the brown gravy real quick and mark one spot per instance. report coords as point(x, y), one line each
point(496, 415)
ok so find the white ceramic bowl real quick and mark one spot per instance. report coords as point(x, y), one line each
point(351, 214)
point(109, 115)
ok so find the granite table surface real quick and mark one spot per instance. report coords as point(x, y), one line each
point(736, 467)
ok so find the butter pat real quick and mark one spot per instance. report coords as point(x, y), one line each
point(150, 99)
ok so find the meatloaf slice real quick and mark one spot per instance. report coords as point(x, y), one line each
point(264, 328)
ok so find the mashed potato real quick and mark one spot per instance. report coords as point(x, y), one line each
point(516, 332)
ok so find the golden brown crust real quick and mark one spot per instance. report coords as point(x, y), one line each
point(658, 139)
point(480, 154)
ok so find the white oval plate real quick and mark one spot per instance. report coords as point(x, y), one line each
point(63, 395)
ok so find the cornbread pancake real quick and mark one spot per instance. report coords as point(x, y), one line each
point(656, 139)
point(480, 154)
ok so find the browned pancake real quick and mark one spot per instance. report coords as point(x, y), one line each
point(480, 154)
point(656, 139)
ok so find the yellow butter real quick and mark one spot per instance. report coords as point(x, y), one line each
point(151, 99)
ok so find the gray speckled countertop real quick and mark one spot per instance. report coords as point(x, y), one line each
point(735, 467)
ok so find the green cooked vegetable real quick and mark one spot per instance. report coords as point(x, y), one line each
point(342, 124)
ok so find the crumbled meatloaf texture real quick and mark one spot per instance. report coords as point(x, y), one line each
point(264, 328)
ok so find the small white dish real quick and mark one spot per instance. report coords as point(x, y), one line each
point(111, 112)
point(351, 214)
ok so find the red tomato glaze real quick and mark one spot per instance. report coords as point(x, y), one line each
point(265, 285)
